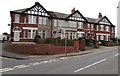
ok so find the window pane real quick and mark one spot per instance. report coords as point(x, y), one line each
point(80, 25)
point(30, 19)
point(40, 20)
point(55, 22)
point(34, 19)
point(29, 33)
point(44, 21)
point(24, 33)
point(24, 19)
point(34, 33)
point(17, 18)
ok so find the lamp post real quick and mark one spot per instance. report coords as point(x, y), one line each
point(66, 44)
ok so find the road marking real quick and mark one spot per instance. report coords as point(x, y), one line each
point(51, 60)
point(117, 54)
point(30, 64)
point(90, 65)
point(6, 69)
point(95, 63)
point(21, 66)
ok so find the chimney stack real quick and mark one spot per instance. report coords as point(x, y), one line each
point(73, 10)
point(100, 15)
point(37, 3)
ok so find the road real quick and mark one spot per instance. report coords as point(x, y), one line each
point(101, 62)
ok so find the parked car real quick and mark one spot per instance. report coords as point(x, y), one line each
point(5, 37)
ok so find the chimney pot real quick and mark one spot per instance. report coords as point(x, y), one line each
point(100, 15)
point(73, 10)
point(37, 3)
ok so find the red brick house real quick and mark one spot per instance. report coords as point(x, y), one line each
point(26, 23)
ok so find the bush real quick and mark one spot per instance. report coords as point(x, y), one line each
point(55, 41)
point(37, 39)
point(88, 42)
point(113, 39)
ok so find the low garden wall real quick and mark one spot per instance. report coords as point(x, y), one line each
point(42, 48)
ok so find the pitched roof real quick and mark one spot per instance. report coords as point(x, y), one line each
point(20, 10)
point(63, 15)
point(58, 15)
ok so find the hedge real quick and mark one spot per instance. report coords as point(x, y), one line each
point(55, 41)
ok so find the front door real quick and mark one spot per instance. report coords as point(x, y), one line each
point(16, 36)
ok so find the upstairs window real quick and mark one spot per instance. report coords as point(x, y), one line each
point(92, 27)
point(17, 18)
point(107, 28)
point(80, 24)
point(40, 20)
point(55, 22)
point(72, 24)
point(60, 23)
point(101, 27)
point(32, 19)
point(97, 27)
point(88, 26)
point(44, 20)
point(24, 19)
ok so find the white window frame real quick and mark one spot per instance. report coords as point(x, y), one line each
point(60, 23)
point(44, 20)
point(32, 19)
point(80, 25)
point(55, 22)
point(41, 33)
point(80, 34)
point(17, 18)
point(29, 34)
point(40, 20)
point(101, 27)
point(107, 28)
point(88, 27)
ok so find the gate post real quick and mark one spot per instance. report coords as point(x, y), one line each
point(76, 45)
point(82, 45)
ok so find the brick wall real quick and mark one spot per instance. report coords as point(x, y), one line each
point(45, 48)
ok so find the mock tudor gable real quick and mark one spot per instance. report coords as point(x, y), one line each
point(104, 20)
point(37, 9)
point(77, 16)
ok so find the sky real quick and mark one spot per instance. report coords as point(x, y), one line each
point(88, 8)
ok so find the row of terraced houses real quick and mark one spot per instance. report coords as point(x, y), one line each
point(28, 22)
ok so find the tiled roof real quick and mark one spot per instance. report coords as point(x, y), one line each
point(63, 15)
point(58, 15)
point(20, 10)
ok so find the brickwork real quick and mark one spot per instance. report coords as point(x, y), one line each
point(82, 45)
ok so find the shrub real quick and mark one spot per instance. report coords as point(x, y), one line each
point(113, 39)
point(88, 42)
point(37, 39)
point(55, 41)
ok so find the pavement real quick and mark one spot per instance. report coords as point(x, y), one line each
point(18, 56)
